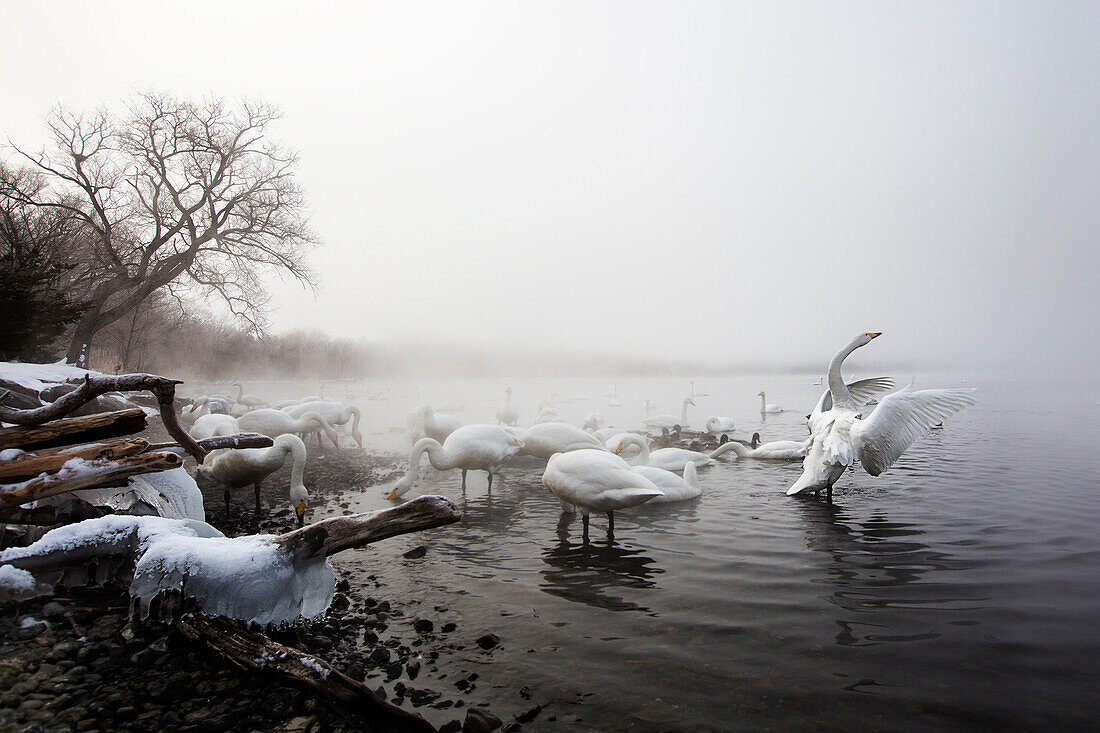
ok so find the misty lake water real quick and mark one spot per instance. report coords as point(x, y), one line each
point(962, 587)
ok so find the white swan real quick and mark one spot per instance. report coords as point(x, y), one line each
point(546, 439)
point(668, 421)
point(471, 448)
point(248, 400)
point(236, 468)
point(337, 413)
point(605, 434)
point(674, 487)
point(863, 393)
point(595, 480)
point(777, 450)
point(188, 415)
point(547, 414)
point(765, 408)
point(507, 414)
point(840, 435)
point(430, 424)
point(594, 421)
point(208, 426)
point(273, 423)
point(670, 459)
point(719, 424)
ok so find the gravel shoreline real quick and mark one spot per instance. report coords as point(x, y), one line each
point(77, 663)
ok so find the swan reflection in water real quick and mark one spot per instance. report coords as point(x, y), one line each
point(883, 577)
point(586, 572)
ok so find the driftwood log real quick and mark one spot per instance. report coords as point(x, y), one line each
point(163, 388)
point(73, 430)
point(49, 460)
point(92, 475)
point(254, 652)
point(237, 440)
point(73, 510)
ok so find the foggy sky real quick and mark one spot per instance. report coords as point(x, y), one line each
point(706, 181)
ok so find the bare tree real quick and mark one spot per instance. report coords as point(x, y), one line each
point(177, 195)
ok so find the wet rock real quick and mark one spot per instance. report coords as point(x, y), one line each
point(488, 641)
point(528, 715)
point(393, 671)
point(423, 626)
point(449, 627)
point(451, 726)
point(416, 552)
point(412, 669)
point(380, 655)
point(525, 692)
point(479, 720)
point(511, 728)
point(343, 586)
point(170, 719)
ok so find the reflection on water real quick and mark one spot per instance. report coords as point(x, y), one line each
point(878, 568)
point(586, 571)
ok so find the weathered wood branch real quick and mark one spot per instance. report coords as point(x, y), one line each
point(50, 460)
point(87, 476)
point(254, 652)
point(237, 440)
point(74, 510)
point(162, 387)
point(336, 534)
point(69, 430)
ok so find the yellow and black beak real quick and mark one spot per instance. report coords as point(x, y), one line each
point(875, 335)
point(392, 495)
point(300, 510)
point(360, 442)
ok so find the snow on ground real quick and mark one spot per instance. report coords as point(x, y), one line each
point(40, 376)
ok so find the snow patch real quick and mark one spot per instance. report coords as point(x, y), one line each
point(250, 578)
point(16, 584)
point(315, 666)
point(10, 454)
point(39, 376)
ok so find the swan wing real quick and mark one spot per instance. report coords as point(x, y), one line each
point(862, 392)
point(899, 420)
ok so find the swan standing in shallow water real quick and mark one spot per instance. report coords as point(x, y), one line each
point(595, 480)
point(840, 435)
point(674, 487)
point(427, 423)
point(765, 408)
point(336, 413)
point(546, 439)
point(236, 468)
point(273, 423)
point(670, 459)
point(471, 448)
point(668, 421)
point(507, 414)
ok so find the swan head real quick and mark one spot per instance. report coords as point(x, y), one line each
point(298, 498)
point(689, 401)
point(865, 338)
point(400, 488)
point(760, 393)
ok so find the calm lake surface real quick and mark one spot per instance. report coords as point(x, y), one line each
point(961, 588)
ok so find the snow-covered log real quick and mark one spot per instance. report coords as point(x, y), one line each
point(23, 464)
point(74, 430)
point(78, 473)
point(268, 579)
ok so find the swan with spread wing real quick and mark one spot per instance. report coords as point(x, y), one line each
point(840, 435)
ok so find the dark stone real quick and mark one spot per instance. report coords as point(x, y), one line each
point(343, 586)
point(462, 684)
point(525, 692)
point(488, 641)
point(452, 726)
point(393, 671)
point(511, 728)
point(423, 626)
point(479, 720)
point(416, 552)
point(380, 655)
point(528, 715)
point(170, 719)
point(449, 627)
point(412, 669)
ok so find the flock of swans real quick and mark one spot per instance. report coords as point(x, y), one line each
point(595, 468)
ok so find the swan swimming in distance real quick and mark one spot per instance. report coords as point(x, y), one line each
point(668, 421)
point(507, 414)
point(765, 408)
point(236, 468)
point(595, 480)
point(471, 448)
point(248, 400)
point(719, 424)
point(777, 450)
point(670, 459)
point(840, 435)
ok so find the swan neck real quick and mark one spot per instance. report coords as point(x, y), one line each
point(684, 413)
point(293, 444)
point(438, 456)
point(837, 388)
point(642, 459)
